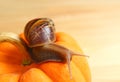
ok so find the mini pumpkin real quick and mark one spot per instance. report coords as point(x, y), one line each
point(15, 67)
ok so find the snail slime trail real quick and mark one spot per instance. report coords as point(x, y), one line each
point(40, 33)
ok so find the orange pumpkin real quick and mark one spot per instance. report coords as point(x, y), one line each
point(13, 70)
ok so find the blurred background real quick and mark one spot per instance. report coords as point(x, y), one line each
point(95, 24)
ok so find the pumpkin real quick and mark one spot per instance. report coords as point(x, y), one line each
point(13, 70)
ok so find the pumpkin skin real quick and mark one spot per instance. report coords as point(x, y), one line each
point(12, 70)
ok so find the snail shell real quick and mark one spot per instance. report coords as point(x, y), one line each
point(40, 31)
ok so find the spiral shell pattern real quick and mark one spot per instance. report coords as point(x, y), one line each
point(40, 31)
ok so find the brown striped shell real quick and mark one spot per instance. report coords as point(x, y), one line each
point(40, 31)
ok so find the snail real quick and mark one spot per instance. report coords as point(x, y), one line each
point(40, 33)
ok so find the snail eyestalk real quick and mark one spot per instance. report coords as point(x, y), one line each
point(17, 41)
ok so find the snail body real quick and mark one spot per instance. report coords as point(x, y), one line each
point(50, 52)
